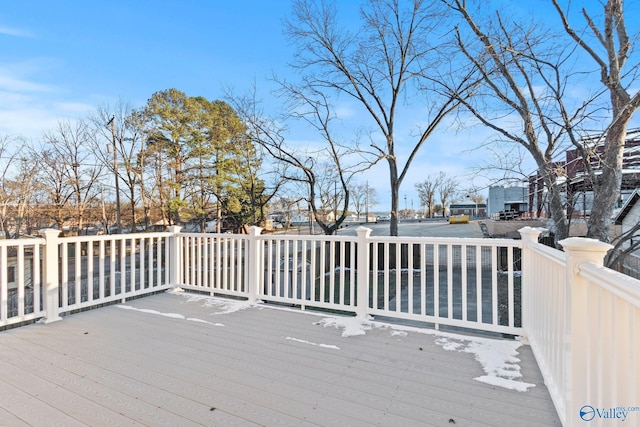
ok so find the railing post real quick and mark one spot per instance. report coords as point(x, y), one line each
point(175, 255)
point(50, 275)
point(253, 259)
point(579, 251)
point(529, 238)
point(362, 274)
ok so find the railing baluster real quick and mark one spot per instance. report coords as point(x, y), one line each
point(233, 257)
point(20, 281)
point(314, 269)
point(141, 262)
point(494, 284)
point(90, 271)
point(511, 295)
point(375, 278)
point(436, 283)
point(450, 281)
point(36, 278)
point(101, 274)
point(332, 272)
point(4, 285)
point(464, 267)
point(423, 279)
point(352, 274)
point(410, 278)
point(479, 283)
point(151, 242)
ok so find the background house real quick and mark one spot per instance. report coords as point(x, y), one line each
point(628, 217)
point(507, 199)
point(468, 207)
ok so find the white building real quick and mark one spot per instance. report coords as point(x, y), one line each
point(507, 199)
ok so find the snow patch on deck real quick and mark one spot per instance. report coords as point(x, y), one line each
point(498, 358)
point(225, 306)
point(351, 326)
point(171, 315)
point(329, 346)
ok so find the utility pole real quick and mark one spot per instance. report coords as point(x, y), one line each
point(405, 206)
point(335, 205)
point(115, 171)
point(366, 203)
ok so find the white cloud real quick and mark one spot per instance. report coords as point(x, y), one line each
point(31, 106)
point(15, 32)
point(12, 83)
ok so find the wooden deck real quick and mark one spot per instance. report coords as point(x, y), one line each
point(174, 360)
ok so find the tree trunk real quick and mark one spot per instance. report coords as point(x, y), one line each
point(134, 219)
point(395, 190)
point(607, 186)
point(558, 215)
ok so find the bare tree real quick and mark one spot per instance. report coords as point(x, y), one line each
point(263, 182)
point(525, 78)
point(610, 50)
point(314, 168)
point(447, 188)
point(376, 65)
point(120, 128)
point(427, 193)
point(7, 158)
point(76, 171)
point(24, 186)
point(363, 198)
point(18, 183)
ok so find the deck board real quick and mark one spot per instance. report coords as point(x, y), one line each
point(264, 366)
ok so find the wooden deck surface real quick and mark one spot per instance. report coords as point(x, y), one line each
point(174, 360)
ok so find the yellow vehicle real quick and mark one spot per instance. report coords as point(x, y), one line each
point(459, 219)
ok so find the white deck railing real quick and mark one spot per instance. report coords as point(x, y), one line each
point(471, 283)
point(20, 281)
point(581, 320)
point(583, 324)
point(50, 276)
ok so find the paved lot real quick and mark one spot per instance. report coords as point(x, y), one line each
point(416, 228)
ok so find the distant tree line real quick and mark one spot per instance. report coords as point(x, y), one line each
point(177, 160)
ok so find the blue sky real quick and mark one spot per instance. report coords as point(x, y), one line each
point(62, 59)
point(66, 58)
